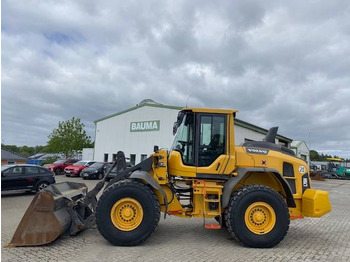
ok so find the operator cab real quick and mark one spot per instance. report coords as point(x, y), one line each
point(201, 137)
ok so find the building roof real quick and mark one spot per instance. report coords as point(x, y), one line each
point(141, 104)
point(42, 156)
point(9, 155)
point(151, 103)
point(259, 129)
point(298, 143)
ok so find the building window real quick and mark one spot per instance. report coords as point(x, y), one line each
point(143, 157)
point(283, 143)
point(132, 159)
point(105, 158)
point(114, 156)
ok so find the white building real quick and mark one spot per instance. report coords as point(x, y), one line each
point(301, 150)
point(87, 154)
point(136, 130)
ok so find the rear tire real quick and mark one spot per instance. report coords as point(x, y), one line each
point(257, 216)
point(58, 171)
point(127, 213)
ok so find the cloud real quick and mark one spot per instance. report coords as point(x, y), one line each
point(282, 64)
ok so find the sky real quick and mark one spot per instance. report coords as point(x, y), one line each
point(280, 63)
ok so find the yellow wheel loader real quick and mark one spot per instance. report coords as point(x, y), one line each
point(253, 190)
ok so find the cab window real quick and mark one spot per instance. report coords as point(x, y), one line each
point(211, 139)
point(184, 140)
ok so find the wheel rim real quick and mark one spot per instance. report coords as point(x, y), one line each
point(126, 214)
point(260, 218)
point(42, 186)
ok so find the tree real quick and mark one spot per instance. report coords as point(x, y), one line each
point(68, 138)
point(13, 148)
point(25, 151)
point(48, 160)
point(314, 156)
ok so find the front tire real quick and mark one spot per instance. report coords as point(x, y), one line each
point(127, 213)
point(257, 216)
point(58, 171)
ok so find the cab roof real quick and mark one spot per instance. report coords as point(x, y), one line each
point(210, 110)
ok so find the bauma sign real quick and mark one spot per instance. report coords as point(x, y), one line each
point(152, 125)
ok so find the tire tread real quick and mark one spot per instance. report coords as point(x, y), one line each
point(237, 196)
point(140, 186)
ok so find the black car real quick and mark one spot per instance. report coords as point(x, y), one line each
point(25, 177)
point(96, 170)
point(113, 173)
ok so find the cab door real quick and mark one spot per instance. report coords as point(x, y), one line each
point(211, 145)
point(181, 161)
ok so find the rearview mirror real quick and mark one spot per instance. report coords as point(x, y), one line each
point(180, 117)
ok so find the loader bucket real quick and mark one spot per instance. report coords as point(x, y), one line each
point(48, 215)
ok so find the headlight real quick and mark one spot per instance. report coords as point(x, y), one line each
point(96, 171)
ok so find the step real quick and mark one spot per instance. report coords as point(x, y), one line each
point(212, 226)
point(213, 213)
point(212, 200)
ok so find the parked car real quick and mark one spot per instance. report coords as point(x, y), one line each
point(313, 167)
point(113, 173)
point(76, 168)
point(96, 170)
point(58, 166)
point(25, 177)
